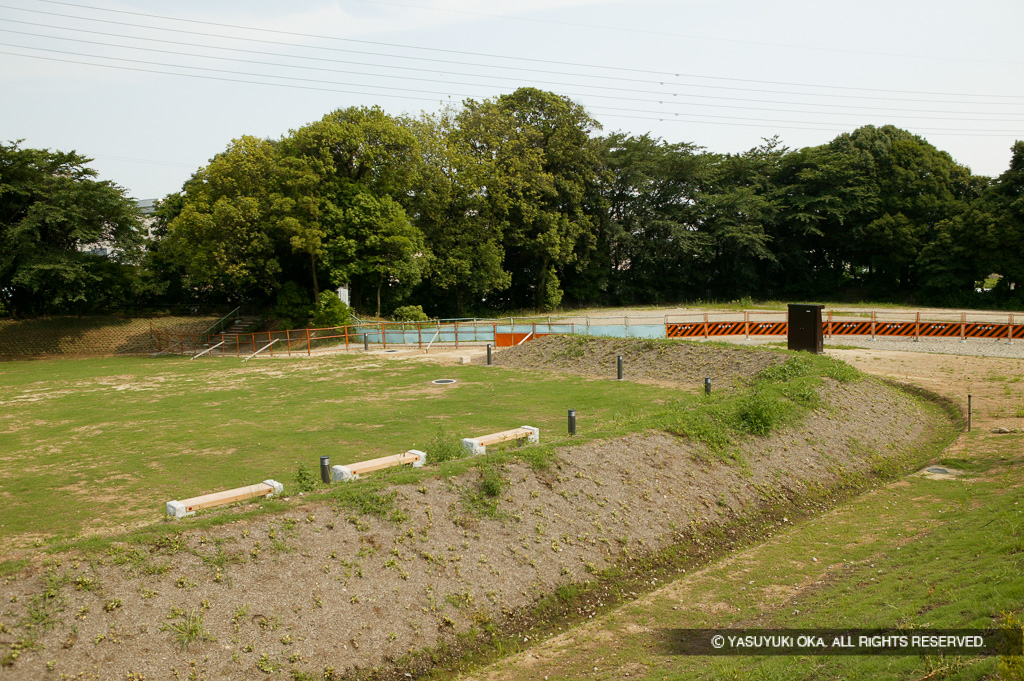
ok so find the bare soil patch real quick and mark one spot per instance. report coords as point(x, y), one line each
point(660, 360)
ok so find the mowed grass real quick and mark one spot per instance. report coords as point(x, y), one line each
point(90, 444)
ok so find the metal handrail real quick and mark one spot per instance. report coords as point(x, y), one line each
point(210, 331)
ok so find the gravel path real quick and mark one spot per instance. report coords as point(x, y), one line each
point(974, 347)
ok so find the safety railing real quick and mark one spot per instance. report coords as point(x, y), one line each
point(507, 332)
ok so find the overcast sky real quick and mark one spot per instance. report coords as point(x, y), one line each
point(152, 90)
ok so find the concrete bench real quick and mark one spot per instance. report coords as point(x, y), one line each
point(354, 470)
point(478, 445)
point(180, 509)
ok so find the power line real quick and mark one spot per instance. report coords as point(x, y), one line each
point(642, 31)
point(449, 82)
point(506, 68)
point(659, 114)
point(469, 53)
point(445, 61)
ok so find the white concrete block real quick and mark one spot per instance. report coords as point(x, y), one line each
point(464, 360)
point(278, 488)
point(472, 446)
point(176, 509)
point(421, 457)
point(534, 434)
point(342, 474)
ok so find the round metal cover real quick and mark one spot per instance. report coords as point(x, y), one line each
point(391, 351)
point(443, 381)
point(936, 469)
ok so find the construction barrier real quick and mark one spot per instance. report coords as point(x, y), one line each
point(502, 333)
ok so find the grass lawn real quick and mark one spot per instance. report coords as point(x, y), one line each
point(90, 444)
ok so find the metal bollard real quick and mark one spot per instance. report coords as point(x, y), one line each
point(620, 366)
point(325, 469)
point(366, 343)
point(707, 386)
point(970, 411)
point(572, 422)
point(488, 354)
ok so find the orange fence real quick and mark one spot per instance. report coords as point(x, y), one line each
point(747, 324)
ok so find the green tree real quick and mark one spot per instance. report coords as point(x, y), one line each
point(542, 183)
point(375, 246)
point(653, 244)
point(736, 209)
point(907, 188)
point(227, 235)
point(53, 215)
point(352, 173)
point(463, 236)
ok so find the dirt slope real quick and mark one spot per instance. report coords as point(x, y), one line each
point(88, 336)
point(660, 360)
point(322, 589)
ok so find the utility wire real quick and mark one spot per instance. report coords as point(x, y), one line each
point(436, 72)
point(642, 31)
point(485, 85)
point(467, 53)
point(507, 68)
point(661, 115)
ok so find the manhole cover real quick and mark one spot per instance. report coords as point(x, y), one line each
point(940, 471)
point(443, 381)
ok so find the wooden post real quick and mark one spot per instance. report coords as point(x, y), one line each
point(254, 341)
point(872, 326)
point(830, 324)
point(309, 346)
point(288, 340)
point(917, 327)
point(705, 326)
point(746, 324)
point(346, 337)
point(963, 327)
point(1009, 331)
point(271, 344)
point(383, 338)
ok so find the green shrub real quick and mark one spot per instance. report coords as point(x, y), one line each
point(760, 413)
point(444, 447)
point(305, 481)
point(330, 311)
point(292, 306)
point(492, 482)
point(410, 313)
point(794, 367)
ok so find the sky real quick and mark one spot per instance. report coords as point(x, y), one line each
point(152, 90)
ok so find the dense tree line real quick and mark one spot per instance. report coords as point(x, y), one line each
point(515, 203)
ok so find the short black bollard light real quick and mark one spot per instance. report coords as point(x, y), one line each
point(366, 342)
point(488, 354)
point(707, 386)
point(572, 422)
point(325, 469)
point(620, 366)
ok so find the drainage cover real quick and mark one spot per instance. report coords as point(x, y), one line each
point(443, 381)
point(940, 471)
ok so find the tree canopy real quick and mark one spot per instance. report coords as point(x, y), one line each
point(518, 202)
point(67, 240)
